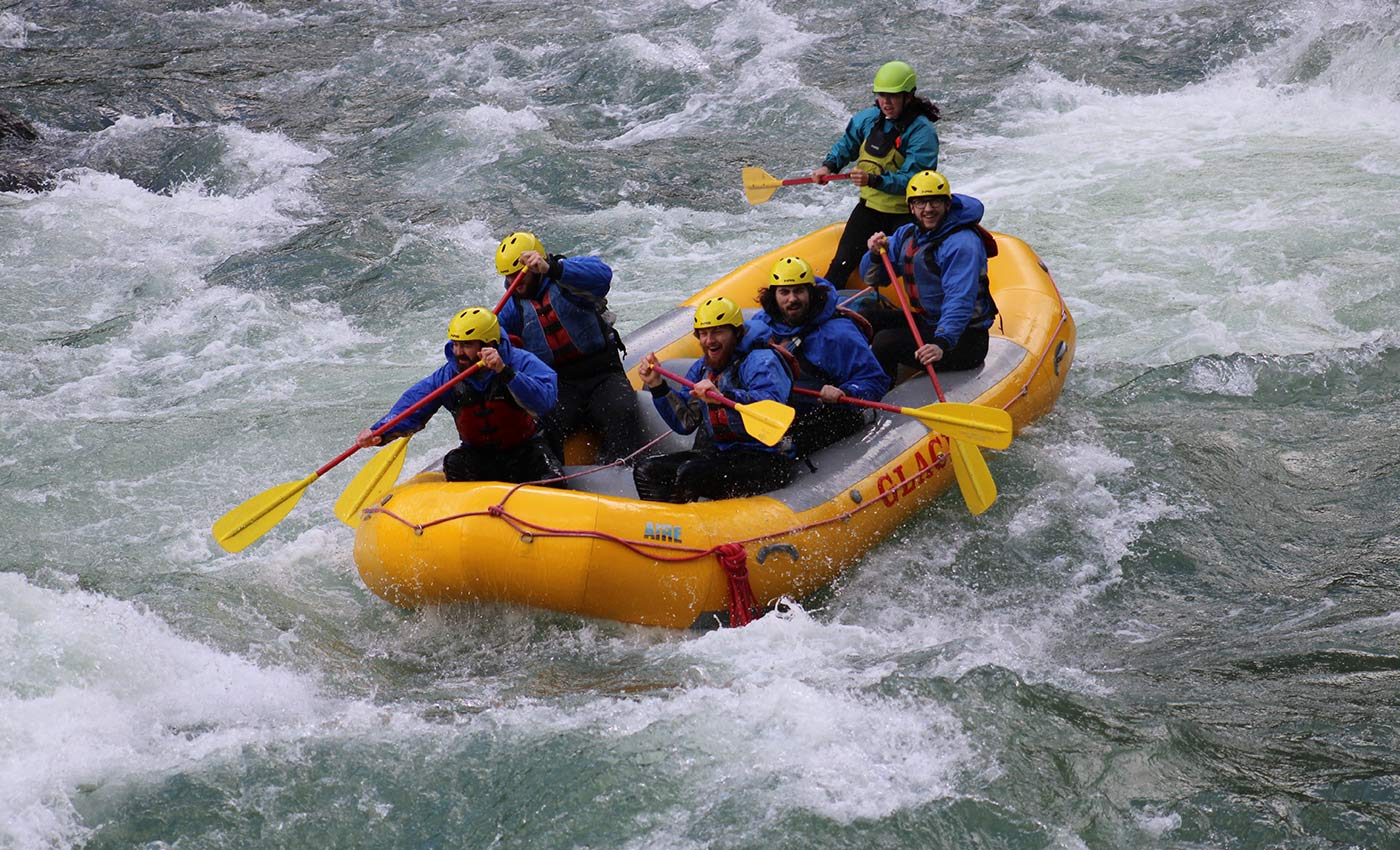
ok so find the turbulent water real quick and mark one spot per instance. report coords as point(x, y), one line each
point(1177, 628)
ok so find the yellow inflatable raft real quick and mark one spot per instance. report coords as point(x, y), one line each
point(598, 551)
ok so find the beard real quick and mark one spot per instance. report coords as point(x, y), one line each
point(796, 315)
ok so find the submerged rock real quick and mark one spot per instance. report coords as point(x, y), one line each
point(18, 170)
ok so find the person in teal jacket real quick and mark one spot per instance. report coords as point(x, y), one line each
point(889, 143)
point(496, 410)
point(726, 462)
point(827, 346)
point(942, 260)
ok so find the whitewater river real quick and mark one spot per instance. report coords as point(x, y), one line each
point(1177, 628)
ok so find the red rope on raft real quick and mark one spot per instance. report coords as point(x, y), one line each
point(732, 556)
point(743, 608)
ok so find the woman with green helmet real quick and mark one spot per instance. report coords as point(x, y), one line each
point(889, 143)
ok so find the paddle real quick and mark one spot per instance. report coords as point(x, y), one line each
point(375, 478)
point(847, 302)
point(766, 421)
point(974, 478)
point(975, 423)
point(243, 525)
point(759, 185)
point(379, 475)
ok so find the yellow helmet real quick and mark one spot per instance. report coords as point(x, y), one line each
point(509, 251)
point(894, 77)
point(717, 311)
point(927, 184)
point(474, 323)
point(792, 271)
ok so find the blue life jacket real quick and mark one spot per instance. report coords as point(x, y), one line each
point(949, 267)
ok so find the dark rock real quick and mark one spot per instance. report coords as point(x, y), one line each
point(18, 171)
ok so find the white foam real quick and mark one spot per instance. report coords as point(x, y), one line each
point(1234, 377)
point(1156, 822)
point(1083, 484)
point(14, 31)
point(133, 261)
point(1215, 234)
point(484, 126)
point(243, 17)
point(271, 162)
point(816, 732)
point(98, 691)
point(666, 52)
point(129, 126)
point(733, 75)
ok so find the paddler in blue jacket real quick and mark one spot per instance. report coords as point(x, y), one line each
point(496, 409)
point(560, 312)
point(828, 347)
point(944, 253)
point(889, 143)
point(726, 462)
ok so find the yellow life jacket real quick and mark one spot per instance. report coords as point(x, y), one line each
point(881, 153)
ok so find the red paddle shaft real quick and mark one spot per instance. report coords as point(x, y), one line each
point(418, 405)
point(909, 315)
point(683, 382)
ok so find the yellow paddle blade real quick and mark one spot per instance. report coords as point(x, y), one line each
point(979, 491)
point(243, 525)
point(372, 482)
point(759, 185)
point(975, 423)
point(766, 421)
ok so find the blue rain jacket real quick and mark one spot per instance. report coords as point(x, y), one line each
point(577, 290)
point(749, 377)
point(534, 387)
point(953, 290)
point(830, 349)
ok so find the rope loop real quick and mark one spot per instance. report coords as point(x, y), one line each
point(743, 608)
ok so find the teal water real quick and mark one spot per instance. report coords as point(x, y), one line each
point(1176, 629)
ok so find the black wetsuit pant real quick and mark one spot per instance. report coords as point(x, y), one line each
point(894, 343)
point(602, 402)
point(863, 223)
point(711, 474)
point(530, 461)
point(818, 426)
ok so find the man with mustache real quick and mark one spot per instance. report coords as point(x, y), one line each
point(726, 462)
point(496, 409)
point(828, 348)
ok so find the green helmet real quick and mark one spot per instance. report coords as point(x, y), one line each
point(895, 77)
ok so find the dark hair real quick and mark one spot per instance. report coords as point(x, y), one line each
point(768, 300)
point(919, 105)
